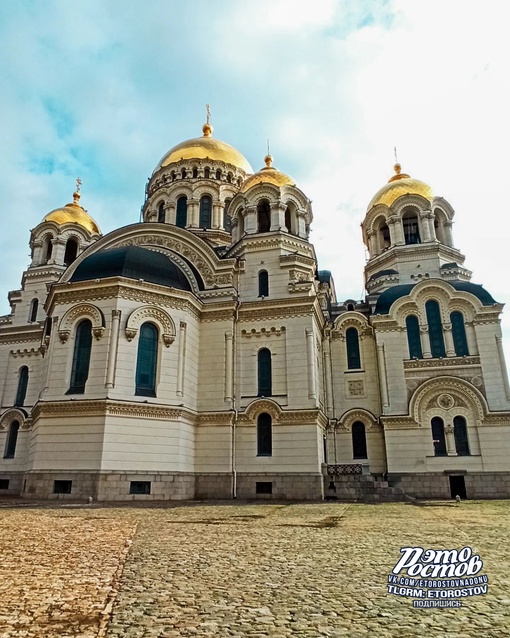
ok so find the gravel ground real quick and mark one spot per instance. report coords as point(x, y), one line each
point(254, 570)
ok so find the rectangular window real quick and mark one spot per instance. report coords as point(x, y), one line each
point(62, 487)
point(263, 487)
point(4, 484)
point(140, 487)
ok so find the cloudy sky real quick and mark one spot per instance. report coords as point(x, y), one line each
point(101, 89)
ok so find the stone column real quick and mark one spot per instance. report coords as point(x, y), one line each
point(312, 393)
point(502, 364)
point(427, 231)
point(328, 375)
point(182, 355)
point(112, 353)
point(396, 230)
point(301, 224)
point(450, 440)
point(193, 213)
point(383, 377)
point(250, 220)
point(448, 232)
point(171, 215)
point(372, 242)
point(448, 340)
point(54, 338)
point(277, 216)
point(229, 359)
point(425, 341)
point(216, 215)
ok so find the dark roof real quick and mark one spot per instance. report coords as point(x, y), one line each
point(451, 264)
point(388, 297)
point(381, 273)
point(132, 262)
point(324, 276)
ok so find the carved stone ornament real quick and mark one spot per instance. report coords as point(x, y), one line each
point(445, 401)
point(168, 339)
point(98, 332)
point(131, 333)
point(63, 335)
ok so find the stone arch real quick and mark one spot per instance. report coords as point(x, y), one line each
point(358, 414)
point(352, 319)
point(75, 314)
point(155, 315)
point(257, 407)
point(444, 393)
point(14, 414)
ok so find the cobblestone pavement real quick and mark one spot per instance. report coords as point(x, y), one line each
point(243, 570)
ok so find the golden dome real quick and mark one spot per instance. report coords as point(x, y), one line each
point(398, 185)
point(73, 213)
point(267, 175)
point(206, 147)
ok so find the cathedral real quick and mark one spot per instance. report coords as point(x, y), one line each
point(202, 353)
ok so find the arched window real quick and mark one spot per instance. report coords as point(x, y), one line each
point(229, 178)
point(413, 337)
point(359, 441)
point(207, 172)
point(352, 344)
point(34, 306)
point(263, 284)
point(161, 213)
point(183, 173)
point(22, 387)
point(459, 334)
point(218, 174)
point(411, 228)
point(435, 329)
point(263, 216)
point(350, 306)
point(205, 211)
point(461, 437)
point(288, 221)
point(182, 212)
point(146, 361)
point(195, 173)
point(264, 373)
point(438, 437)
point(12, 439)
point(71, 251)
point(81, 357)
point(439, 219)
point(173, 176)
point(264, 435)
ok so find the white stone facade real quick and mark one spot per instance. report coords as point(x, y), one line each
point(256, 382)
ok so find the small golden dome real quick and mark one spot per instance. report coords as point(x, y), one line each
point(73, 213)
point(267, 175)
point(206, 147)
point(398, 185)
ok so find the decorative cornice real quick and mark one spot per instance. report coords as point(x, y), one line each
point(33, 352)
point(399, 423)
point(447, 362)
point(497, 418)
point(263, 332)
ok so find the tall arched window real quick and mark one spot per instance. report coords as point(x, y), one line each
point(22, 387)
point(183, 173)
point(413, 337)
point(435, 328)
point(263, 216)
point(12, 439)
point(288, 220)
point(411, 228)
point(48, 248)
point(352, 345)
point(263, 284)
point(264, 435)
point(207, 172)
point(227, 220)
point(34, 306)
point(195, 173)
point(181, 216)
point(218, 174)
point(146, 361)
point(438, 437)
point(71, 251)
point(205, 211)
point(359, 441)
point(459, 334)
point(264, 373)
point(81, 357)
point(461, 437)
point(161, 213)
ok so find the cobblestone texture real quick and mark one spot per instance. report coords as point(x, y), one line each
point(277, 570)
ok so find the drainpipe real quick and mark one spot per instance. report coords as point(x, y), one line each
point(233, 398)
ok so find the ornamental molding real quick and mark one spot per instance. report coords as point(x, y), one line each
point(459, 389)
point(215, 419)
point(399, 423)
point(31, 333)
point(263, 332)
point(106, 407)
point(358, 414)
point(15, 414)
point(279, 416)
point(497, 419)
point(32, 352)
point(447, 362)
point(151, 313)
point(81, 311)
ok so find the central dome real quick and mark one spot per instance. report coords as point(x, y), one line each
point(203, 148)
point(400, 184)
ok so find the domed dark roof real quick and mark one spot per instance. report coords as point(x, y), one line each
point(388, 297)
point(132, 262)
